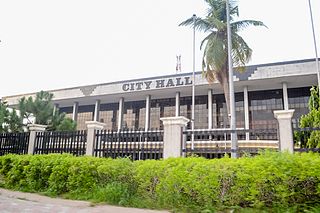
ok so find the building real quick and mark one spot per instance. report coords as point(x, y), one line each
point(140, 103)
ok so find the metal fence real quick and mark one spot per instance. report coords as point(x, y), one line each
point(137, 145)
point(15, 143)
point(61, 142)
point(216, 143)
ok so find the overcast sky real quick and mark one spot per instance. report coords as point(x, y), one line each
point(65, 43)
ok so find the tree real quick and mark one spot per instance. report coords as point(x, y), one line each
point(310, 139)
point(215, 55)
point(67, 124)
point(10, 121)
point(42, 110)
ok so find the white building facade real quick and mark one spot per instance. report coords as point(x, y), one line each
point(140, 103)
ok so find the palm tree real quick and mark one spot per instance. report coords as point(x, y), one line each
point(215, 55)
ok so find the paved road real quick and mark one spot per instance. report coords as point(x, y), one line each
point(11, 201)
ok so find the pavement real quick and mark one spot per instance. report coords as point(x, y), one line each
point(13, 201)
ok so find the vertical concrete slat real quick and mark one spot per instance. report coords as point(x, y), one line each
point(96, 111)
point(210, 109)
point(120, 118)
point(177, 104)
point(148, 105)
point(246, 111)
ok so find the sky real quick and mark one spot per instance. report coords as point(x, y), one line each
point(58, 44)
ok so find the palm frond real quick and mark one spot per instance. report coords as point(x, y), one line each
point(241, 52)
point(240, 25)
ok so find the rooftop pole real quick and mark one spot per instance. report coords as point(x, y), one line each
point(193, 80)
point(315, 46)
point(234, 141)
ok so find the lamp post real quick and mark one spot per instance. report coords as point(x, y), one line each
point(315, 46)
point(234, 141)
point(193, 81)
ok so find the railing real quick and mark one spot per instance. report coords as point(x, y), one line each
point(307, 137)
point(15, 143)
point(61, 142)
point(216, 143)
point(137, 145)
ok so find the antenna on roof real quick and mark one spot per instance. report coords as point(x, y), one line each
point(178, 65)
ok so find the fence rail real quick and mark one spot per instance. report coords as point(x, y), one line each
point(137, 145)
point(14, 143)
point(61, 142)
point(216, 143)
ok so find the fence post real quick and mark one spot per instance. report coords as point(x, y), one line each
point(34, 128)
point(285, 129)
point(173, 136)
point(92, 126)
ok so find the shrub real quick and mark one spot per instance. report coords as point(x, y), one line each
point(269, 180)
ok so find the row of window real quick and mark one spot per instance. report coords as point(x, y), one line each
point(261, 107)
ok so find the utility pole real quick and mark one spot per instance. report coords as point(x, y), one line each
point(193, 80)
point(315, 46)
point(234, 140)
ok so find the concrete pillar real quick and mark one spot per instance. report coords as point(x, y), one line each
point(147, 121)
point(285, 129)
point(96, 111)
point(246, 111)
point(210, 109)
point(173, 136)
point(285, 96)
point(120, 118)
point(75, 111)
point(92, 126)
point(177, 104)
point(55, 108)
point(34, 128)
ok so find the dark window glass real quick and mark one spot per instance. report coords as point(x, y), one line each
point(109, 115)
point(261, 107)
point(298, 100)
point(134, 115)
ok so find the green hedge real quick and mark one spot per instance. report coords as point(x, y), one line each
point(269, 180)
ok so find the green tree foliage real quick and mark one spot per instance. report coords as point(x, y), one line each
point(310, 139)
point(42, 110)
point(10, 121)
point(215, 57)
point(67, 124)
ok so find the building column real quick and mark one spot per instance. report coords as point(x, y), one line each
point(120, 118)
point(246, 111)
point(177, 104)
point(75, 111)
point(209, 108)
point(285, 96)
point(55, 108)
point(96, 116)
point(148, 104)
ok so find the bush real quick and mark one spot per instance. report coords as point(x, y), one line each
point(269, 180)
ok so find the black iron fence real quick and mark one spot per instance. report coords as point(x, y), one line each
point(15, 143)
point(61, 142)
point(137, 145)
point(216, 143)
point(304, 138)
